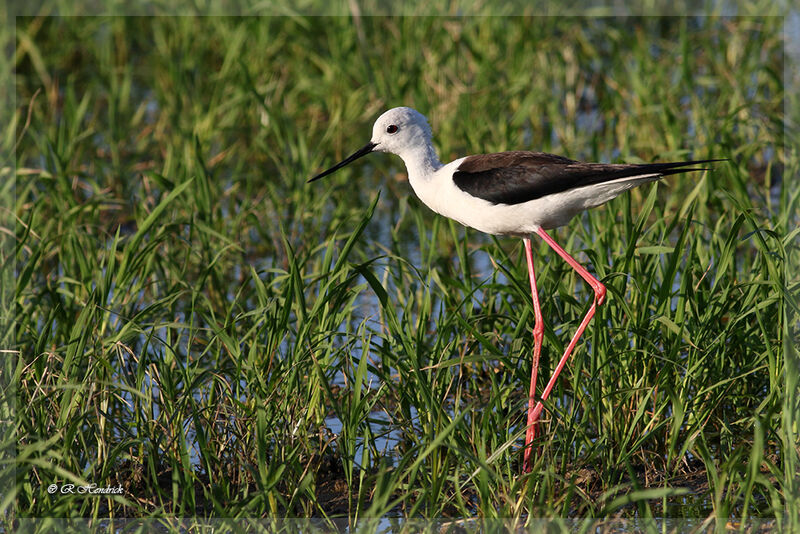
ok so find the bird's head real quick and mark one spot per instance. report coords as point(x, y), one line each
point(397, 131)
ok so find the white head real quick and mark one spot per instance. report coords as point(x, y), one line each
point(402, 131)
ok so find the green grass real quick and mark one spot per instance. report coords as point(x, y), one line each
point(198, 325)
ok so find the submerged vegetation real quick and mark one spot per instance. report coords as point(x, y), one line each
point(198, 326)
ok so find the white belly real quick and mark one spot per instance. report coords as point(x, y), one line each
point(441, 195)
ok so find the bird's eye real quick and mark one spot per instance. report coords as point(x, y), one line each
point(392, 128)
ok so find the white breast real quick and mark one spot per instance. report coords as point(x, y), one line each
point(439, 193)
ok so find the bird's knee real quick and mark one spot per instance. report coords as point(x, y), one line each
point(538, 330)
point(600, 293)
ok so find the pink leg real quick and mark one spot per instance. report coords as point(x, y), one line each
point(599, 296)
point(538, 333)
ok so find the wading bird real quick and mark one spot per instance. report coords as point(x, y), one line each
point(514, 193)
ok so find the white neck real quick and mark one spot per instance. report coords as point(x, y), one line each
point(421, 162)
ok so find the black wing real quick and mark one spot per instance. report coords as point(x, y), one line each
point(517, 177)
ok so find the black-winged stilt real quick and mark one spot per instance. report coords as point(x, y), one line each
point(511, 193)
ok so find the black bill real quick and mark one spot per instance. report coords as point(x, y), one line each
point(363, 151)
